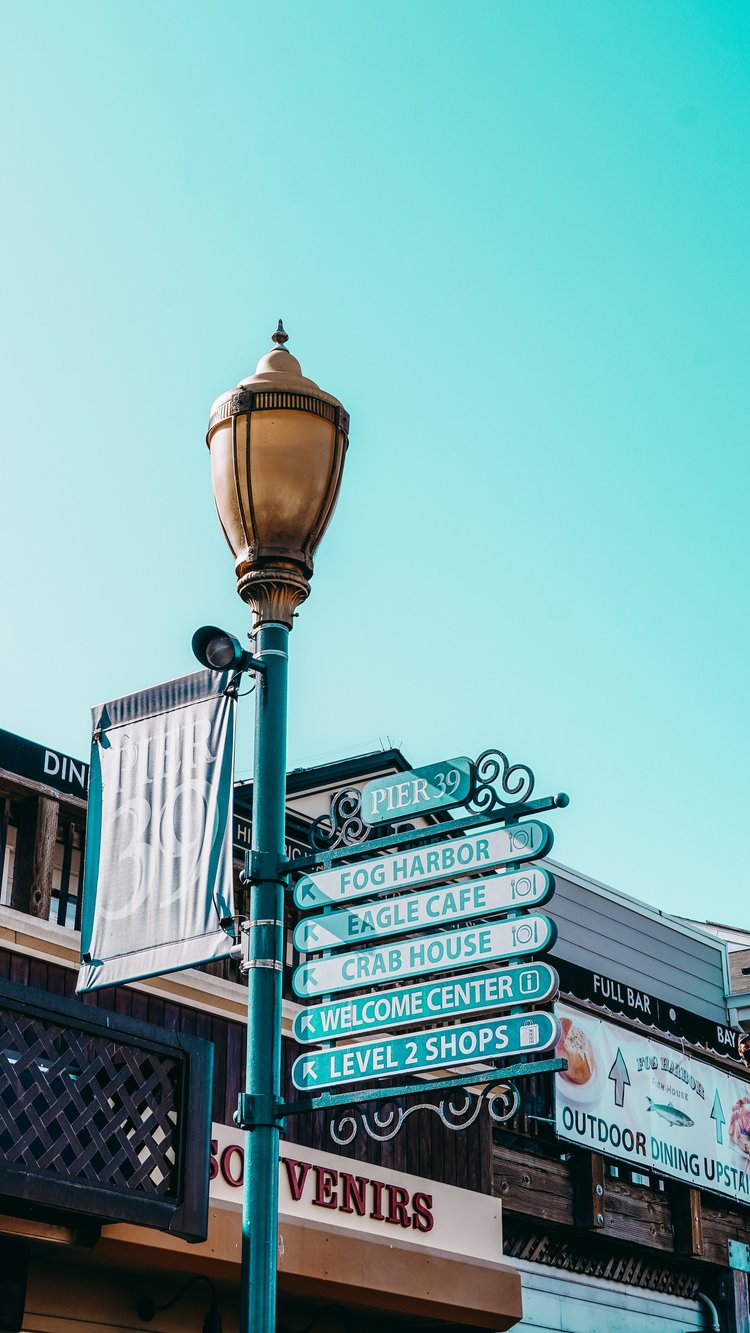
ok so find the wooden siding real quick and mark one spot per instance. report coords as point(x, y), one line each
point(604, 934)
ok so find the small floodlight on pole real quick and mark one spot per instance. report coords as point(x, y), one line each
point(277, 446)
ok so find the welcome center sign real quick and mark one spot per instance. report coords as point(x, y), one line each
point(651, 1105)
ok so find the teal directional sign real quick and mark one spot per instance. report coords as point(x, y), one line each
point(438, 1048)
point(431, 907)
point(435, 787)
point(471, 854)
point(447, 951)
point(531, 983)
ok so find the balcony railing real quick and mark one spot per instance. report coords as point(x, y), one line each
point(102, 1116)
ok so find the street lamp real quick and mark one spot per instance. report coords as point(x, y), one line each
point(277, 447)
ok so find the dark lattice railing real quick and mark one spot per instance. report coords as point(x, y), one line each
point(102, 1115)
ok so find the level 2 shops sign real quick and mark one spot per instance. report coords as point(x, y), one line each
point(437, 1048)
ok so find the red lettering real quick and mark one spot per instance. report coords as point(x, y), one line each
point(353, 1189)
point(296, 1181)
point(422, 1219)
point(397, 1212)
point(326, 1179)
point(226, 1164)
point(377, 1195)
point(213, 1165)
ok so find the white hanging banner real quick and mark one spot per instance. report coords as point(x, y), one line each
point(631, 1097)
point(158, 872)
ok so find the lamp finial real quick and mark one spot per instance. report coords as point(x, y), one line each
point(280, 337)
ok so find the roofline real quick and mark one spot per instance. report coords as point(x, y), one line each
point(587, 882)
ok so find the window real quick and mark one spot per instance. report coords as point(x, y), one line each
point(67, 876)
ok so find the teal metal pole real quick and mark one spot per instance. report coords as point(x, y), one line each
point(260, 1105)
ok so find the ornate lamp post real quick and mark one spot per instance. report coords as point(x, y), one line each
point(277, 447)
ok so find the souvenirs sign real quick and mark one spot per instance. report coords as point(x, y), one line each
point(449, 950)
point(432, 907)
point(531, 983)
point(435, 1049)
point(473, 853)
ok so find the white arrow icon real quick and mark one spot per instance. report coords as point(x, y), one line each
point(308, 1072)
point(305, 1023)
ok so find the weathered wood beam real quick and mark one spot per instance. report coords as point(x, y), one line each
point(34, 859)
point(687, 1219)
point(588, 1190)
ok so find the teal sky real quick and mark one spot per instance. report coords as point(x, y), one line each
point(513, 239)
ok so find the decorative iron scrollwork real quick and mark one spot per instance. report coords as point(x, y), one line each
point(385, 1122)
point(344, 825)
point(498, 783)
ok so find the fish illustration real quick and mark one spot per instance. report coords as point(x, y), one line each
point(671, 1114)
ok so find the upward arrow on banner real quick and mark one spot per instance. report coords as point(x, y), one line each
point(620, 1077)
point(718, 1117)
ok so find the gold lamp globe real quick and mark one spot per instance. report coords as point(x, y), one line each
point(277, 445)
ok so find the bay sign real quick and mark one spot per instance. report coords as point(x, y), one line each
point(438, 1048)
point(432, 907)
point(443, 860)
point(447, 951)
point(531, 983)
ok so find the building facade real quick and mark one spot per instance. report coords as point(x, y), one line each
point(427, 1211)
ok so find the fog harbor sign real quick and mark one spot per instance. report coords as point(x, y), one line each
point(478, 852)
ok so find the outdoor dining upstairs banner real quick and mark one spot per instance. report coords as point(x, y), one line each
point(655, 1106)
point(158, 871)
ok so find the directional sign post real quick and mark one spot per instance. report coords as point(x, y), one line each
point(432, 907)
point(444, 952)
point(502, 988)
point(469, 1043)
point(475, 853)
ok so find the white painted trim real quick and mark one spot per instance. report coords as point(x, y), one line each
point(60, 944)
